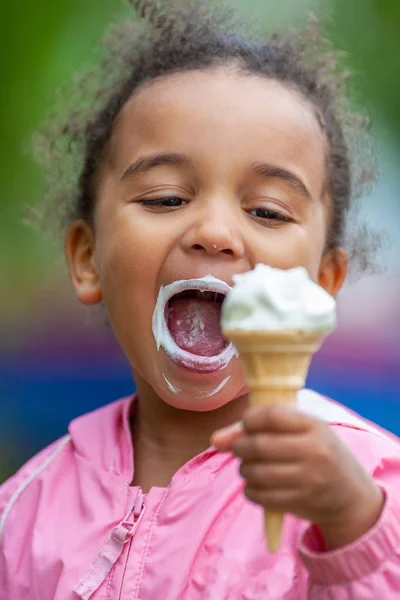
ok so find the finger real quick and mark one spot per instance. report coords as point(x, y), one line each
point(285, 500)
point(271, 447)
point(276, 418)
point(223, 439)
point(262, 476)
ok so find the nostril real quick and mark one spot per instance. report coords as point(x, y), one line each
point(215, 249)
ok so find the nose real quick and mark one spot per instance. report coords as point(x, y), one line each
point(215, 229)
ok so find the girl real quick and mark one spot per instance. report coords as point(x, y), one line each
point(210, 153)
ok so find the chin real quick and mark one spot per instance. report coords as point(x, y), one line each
point(201, 393)
point(194, 403)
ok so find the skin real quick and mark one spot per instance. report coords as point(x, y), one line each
point(224, 123)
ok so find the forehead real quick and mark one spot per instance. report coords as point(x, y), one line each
point(222, 113)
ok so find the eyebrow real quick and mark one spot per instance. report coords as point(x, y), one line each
point(146, 163)
point(273, 172)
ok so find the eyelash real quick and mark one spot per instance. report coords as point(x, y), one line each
point(159, 202)
point(171, 202)
point(272, 215)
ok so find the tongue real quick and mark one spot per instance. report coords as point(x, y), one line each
point(195, 325)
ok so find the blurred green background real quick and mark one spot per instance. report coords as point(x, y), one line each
point(42, 45)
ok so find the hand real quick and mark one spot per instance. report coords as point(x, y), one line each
point(295, 463)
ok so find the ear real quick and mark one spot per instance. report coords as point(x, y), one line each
point(80, 253)
point(333, 270)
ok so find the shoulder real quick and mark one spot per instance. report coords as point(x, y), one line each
point(96, 438)
point(374, 446)
point(14, 488)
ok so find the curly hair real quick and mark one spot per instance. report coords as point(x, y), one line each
point(184, 35)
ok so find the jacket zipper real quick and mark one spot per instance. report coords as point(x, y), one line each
point(134, 516)
point(120, 535)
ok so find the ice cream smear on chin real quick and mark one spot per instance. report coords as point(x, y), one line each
point(187, 323)
point(274, 300)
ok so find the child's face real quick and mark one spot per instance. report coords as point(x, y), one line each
point(250, 185)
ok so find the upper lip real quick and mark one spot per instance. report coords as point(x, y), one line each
point(219, 286)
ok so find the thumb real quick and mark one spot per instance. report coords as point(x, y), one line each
point(224, 438)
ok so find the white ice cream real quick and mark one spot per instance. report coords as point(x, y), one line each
point(269, 299)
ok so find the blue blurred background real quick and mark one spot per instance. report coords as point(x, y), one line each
point(56, 360)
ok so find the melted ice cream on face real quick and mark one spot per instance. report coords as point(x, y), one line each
point(189, 330)
point(268, 299)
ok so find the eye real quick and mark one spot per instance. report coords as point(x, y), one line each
point(167, 202)
point(269, 215)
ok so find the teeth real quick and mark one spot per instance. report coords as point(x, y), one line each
point(200, 295)
point(209, 286)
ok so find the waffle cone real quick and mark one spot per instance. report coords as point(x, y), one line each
point(276, 365)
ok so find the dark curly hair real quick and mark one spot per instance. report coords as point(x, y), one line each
point(184, 35)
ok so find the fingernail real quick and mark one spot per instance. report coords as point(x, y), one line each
point(235, 427)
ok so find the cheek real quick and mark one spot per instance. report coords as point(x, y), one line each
point(314, 239)
point(297, 245)
point(127, 253)
point(129, 267)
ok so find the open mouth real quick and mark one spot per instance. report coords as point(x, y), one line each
point(186, 323)
point(193, 319)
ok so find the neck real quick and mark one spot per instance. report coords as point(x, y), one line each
point(165, 437)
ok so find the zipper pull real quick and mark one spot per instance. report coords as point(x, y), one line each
point(139, 504)
point(90, 582)
point(134, 516)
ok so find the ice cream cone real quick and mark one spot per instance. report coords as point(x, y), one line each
point(276, 366)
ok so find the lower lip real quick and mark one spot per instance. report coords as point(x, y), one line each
point(196, 364)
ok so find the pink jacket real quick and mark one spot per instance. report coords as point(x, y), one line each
point(72, 527)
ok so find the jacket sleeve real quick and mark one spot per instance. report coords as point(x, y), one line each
point(369, 567)
point(12, 535)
